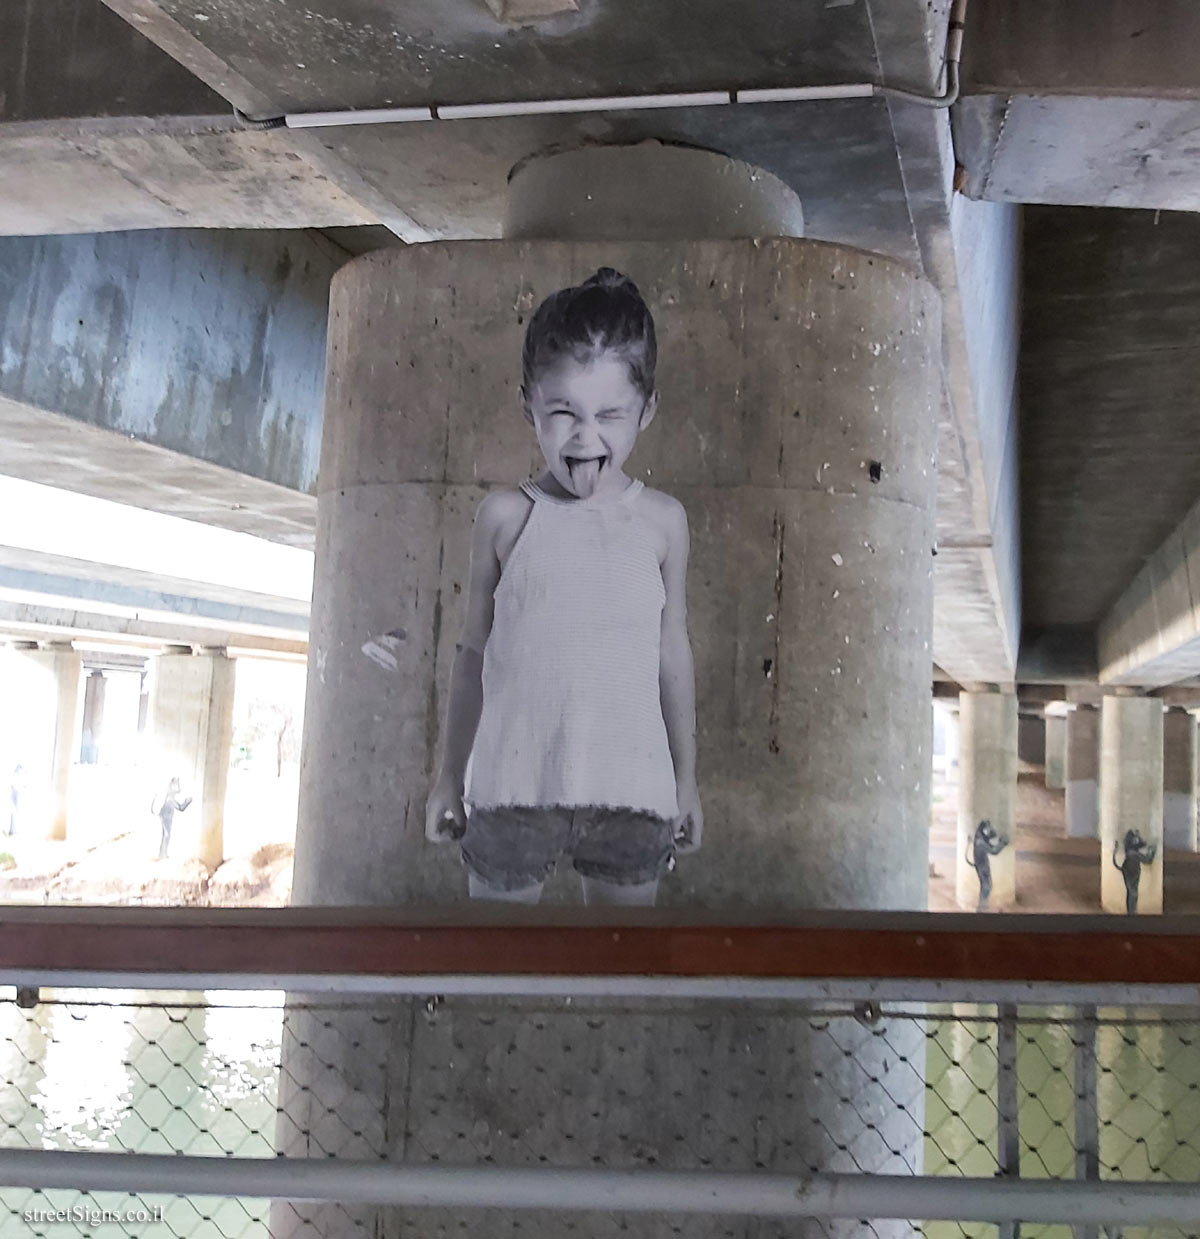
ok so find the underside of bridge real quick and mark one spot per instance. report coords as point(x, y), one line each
point(165, 265)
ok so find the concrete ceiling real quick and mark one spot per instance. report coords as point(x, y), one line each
point(1082, 102)
point(1085, 101)
point(1110, 371)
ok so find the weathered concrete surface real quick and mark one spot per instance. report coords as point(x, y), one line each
point(203, 172)
point(100, 129)
point(648, 191)
point(1131, 798)
point(443, 54)
point(1083, 772)
point(977, 582)
point(63, 58)
point(1110, 365)
point(209, 344)
point(1091, 104)
point(810, 613)
point(897, 159)
point(779, 480)
point(1151, 636)
point(987, 790)
point(1179, 779)
point(56, 450)
point(191, 729)
point(1056, 751)
point(971, 253)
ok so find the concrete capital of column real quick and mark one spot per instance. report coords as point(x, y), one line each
point(177, 650)
point(22, 645)
point(213, 651)
point(646, 191)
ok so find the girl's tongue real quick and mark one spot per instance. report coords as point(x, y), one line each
point(585, 475)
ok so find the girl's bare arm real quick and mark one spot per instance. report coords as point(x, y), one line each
point(677, 678)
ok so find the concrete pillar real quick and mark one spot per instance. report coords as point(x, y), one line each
point(1179, 780)
point(786, 368)
point(1056, 751)
point(1131, 806)
point(191, 726)
point(987, 793)
point(953, 747)
point(41, 735)
point(1083, 772)
point(93, 717)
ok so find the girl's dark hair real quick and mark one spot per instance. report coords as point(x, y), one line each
point(604, 313)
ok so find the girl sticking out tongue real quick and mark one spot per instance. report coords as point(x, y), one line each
point(570, 730)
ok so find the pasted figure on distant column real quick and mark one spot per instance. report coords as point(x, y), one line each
point(573, 692)
point(165, 807)
point(984, 844)
point(1138, 852)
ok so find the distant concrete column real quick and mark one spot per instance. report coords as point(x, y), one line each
point(1083, 772)
point(46, 683)
point(191, 725)
point(93, 717)
point(1131, 788)
point(952, 746)
point(987, 793)
point(1179, 780)
point(1056, 751)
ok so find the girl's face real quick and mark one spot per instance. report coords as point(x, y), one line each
point(587, 415)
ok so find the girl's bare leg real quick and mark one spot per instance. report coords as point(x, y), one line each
point(524, 894)
point(614, 894)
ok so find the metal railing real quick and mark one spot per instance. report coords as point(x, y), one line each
point(963, 1083)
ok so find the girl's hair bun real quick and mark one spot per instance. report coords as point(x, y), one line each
point(609, 277)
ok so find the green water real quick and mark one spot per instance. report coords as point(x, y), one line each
point(142, 1079)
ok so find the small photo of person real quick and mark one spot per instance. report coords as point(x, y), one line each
point(571, 723)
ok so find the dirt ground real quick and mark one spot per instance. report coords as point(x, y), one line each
point(1054, 873)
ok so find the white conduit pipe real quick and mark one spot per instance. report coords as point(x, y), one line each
point(628, 103)
point(630, 1191)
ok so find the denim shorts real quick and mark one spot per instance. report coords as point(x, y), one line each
point(511, 848)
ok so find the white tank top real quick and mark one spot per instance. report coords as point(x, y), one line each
point(571, 709)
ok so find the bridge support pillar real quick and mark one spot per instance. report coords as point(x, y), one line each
point(985, 868)
point(1179, 780)
point(1083, 771)
point(1131, 804)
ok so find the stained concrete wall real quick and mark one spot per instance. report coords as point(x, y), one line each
point(208, 343)
point(987, 248)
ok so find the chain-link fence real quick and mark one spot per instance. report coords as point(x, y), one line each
point(964, 1090)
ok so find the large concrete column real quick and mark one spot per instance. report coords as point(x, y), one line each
point(787, 369)
point(41, 734)
point(1056, 751)
point(1083, 772)
point(1131, 787)
point(191, 726)
point(1179, 780)
point(987, 793)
